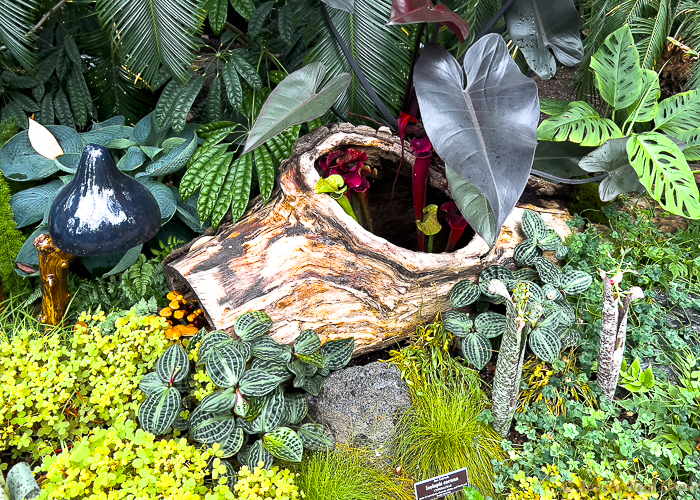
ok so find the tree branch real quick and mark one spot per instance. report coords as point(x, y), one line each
point(243, 36)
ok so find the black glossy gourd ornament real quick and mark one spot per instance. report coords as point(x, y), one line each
point(102, 210)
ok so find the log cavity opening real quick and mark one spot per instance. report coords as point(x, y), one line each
point(395, 221)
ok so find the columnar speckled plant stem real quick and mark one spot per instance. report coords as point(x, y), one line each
point(509, 367)
point(613, 335)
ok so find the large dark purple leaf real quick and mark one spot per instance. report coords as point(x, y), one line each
point(538, 26)
point(423, 11)
point(486, 133)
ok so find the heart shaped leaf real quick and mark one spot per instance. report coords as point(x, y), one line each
point(612, 157)
point(486, 132)
point(423, 11)
point(296, 100)
point(538, 26)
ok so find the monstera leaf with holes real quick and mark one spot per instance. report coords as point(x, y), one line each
point(486, 132)
point(543, 30)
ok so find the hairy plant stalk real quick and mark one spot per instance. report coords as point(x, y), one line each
point(509, 367)
point(613, 336)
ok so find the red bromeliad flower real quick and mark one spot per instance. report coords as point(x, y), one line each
point(349, 164)
point(456, 222)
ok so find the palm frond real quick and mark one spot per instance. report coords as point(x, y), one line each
point(382, 52)
point(154, 32)
point(652, 33)
point(689, 33)
point(16, 17)
point(115, 92)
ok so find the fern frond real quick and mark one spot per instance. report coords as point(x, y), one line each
point(16, 18)
point(154, 32)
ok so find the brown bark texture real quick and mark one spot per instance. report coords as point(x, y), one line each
point(306, 263)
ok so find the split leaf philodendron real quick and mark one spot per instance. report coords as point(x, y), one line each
point(253, 396)
point(644, 144)
point(537, 313)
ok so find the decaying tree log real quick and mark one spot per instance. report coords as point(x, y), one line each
point(308, 264)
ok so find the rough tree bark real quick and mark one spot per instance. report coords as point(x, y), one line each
point(308, 264)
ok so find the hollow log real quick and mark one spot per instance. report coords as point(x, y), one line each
point(307, 264)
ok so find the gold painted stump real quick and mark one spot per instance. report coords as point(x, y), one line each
point(308, 264)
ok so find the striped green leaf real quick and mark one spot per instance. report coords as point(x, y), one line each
point(80, 99)
point(258, 383)
point(242, 170)
point(252, 455)
point(211, 340)
point(245, 8)
point(173, 160)
point(581, 124)
point(210, 428)
point(545, 343)
point(313, 385)
point(251, 325)
point(225, 365)
point(272, 411)
point(314, 359)
point(241, 407)
point(464, 293)
point(490, 324)
point(284, 444)
point(258, 18)
point(308, 342)
point(295, 407)
point(286, 23)
point(213, 103)
point(198, 167)
point(62, 109)
point(47, 112)
point(338, 352)
point(233, 443)
point(244, 68)
point(216, 11)
point(173, 365)
point(457, 323)
point(576, 282)
point(301, 369)
point(315, 437)
point(526, 274)
point(276, 368)
point(269, 349)
point(151, 383)
point(476, 349)
point(550, 242)
point(533, 225)
point(25, 102)
point(232, 83)
point(549, 273)
point(679, 113)
point(219, 401)
point(159, 410)
point(208, 130)
point(526, 252)
point(664, 171)
point(551, 292)
point(211, 185)
point(281, 145)
point(617, 69)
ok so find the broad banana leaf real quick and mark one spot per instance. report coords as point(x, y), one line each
point(486, 132)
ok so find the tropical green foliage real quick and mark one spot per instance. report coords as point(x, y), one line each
point(264, 484)
point(634, 379)
point(250, 400)
point(12, 240)
point(651, 151)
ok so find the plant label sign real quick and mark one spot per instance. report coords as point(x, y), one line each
point(441, 486)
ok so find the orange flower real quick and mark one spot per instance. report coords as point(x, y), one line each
point(180, 331)
point(179, 314)
point(173, 296)
point(166, 312)
point(175, 304)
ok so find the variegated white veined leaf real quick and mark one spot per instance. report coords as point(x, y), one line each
point(562, 251)
point(193, 342)
point(316, 437)
point(536, 292)
point(269, 349)
point(324, 372)
point(258, 383)
point(276, 368)
point(464, 293)
point(490, 324)
point(151, 382)
point(551, 292)
point(313, 385)
point(233, 443)
point(225, 365)
point(252, 325)
point(526, 274)
point(545, 343)
point(576, 282)
point(496, 272)
point(251, 427)
point(210, 428)
point(457, 323)
point(477, 350)
point(295, 408)
point(533, 225)
point(550, 242)
point(181, 424)
point(219, 401)
point(338, 352)
point(272, 413)
point(209, 341)
point(570, 338)
point(173, 365)
point(284, 444)
point(301, 369)
point(241, 407)
point(314, 359)
point(526, 252)
point(244, 348)
point(308, 342)
point(254, 454)
point(159, 411)
point(549, 273)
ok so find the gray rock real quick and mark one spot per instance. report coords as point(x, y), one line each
point(361, 405)
point(678, 316)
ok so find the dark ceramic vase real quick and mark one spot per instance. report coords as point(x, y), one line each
point(102, 210)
